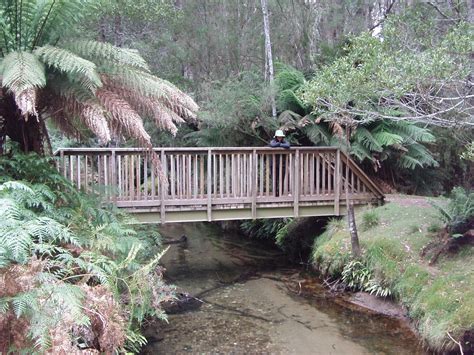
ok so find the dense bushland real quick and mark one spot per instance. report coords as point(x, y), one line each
point(73, 273)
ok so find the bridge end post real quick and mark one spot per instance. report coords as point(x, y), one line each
point(296, 201)
point(254, 166)
point(162, 188)
point(209, 185)
point(337, 191)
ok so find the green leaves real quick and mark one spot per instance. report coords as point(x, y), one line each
point(22, 71)
point(70, 63)
point(107, 54)
point(22, 75)
point(391, 79)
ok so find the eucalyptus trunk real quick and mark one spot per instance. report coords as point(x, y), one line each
point(268, 54)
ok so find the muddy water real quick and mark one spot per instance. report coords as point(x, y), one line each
point(255, 302)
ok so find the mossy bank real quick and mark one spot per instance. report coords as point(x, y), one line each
point(395, 239)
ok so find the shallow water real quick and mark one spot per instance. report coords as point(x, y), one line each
point(255, 302)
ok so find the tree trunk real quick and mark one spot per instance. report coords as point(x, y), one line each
point(28, 132)
point(268, 54)
point(356, 252)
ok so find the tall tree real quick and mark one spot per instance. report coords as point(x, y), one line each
point(268, 55)
point(79, 84)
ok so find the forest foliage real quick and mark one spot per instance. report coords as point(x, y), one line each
point(74, 274)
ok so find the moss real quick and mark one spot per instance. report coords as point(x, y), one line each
point(439, 298)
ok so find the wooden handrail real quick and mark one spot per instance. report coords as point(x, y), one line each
point(223, 177)
point(191, 149)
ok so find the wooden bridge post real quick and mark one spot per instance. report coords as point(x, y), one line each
point(337, 184)
point(296, 201)
point(209, 185)
point(163, 188)
point(254, 165)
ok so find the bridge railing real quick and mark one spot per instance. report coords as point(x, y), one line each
point(212, 177)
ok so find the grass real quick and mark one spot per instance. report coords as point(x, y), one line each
point(439, 298)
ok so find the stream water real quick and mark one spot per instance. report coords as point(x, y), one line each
point(253, 301)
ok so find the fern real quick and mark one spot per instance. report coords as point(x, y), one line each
point(387, 138)
point(106, 53)
point(22, 71)
point(368, 140)
point(24, 302)
point(68, 62)
point(42, 239)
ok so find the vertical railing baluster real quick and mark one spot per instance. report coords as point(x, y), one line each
point(209, 187)
point(163, 189)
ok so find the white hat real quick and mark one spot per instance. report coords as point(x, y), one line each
point(279, 133)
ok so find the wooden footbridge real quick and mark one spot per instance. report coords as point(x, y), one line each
point(215, 184)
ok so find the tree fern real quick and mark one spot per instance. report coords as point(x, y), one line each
point(107, 54)
point(70, 63)
point(368, 140)
point(90, 85)
point(23, 74)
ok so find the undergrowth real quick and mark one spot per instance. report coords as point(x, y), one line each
point(439, 298)
point(73, 274)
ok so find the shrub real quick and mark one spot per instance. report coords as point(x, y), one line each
point(459, 213)
point(370, 219)
point(357, 276)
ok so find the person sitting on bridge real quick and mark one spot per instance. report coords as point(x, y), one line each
point(279, 141)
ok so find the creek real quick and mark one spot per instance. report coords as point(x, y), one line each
point(254, 301)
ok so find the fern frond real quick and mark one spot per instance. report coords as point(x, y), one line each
point(24, 302)
point(365, 137)
point(164, 117)
point(94, 119)
point(106, 53)
point(408, 162)
point(360, 151)
point(70, 63)
point(4, 305)
point(17, 240)
point(16, 185)
point(387, 138)
point(409, 130)
point(153, 87)
point(124, 117)
point(317, 134)
point(23, 74)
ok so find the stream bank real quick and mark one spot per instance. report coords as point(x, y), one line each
point(254, 301)
point(398, 258)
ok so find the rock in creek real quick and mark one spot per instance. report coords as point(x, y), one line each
point(184, 303)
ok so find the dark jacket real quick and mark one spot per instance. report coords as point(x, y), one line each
point(283, 144)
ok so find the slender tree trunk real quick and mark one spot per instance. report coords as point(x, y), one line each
point(268, 54)
point(470, 11)
point(355, 245)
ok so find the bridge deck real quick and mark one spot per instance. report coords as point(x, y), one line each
point(210, 184)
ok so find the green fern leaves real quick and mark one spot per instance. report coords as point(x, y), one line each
point(70, 63)
point(71, 265)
